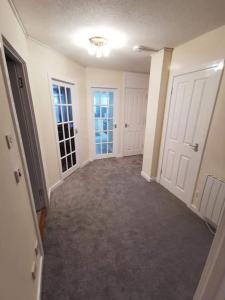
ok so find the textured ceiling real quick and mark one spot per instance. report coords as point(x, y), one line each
point(153, 23)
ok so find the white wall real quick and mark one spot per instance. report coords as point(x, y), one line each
point(205, 49)
point(45, 63)
point(17, 230)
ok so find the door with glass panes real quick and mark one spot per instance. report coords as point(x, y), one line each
point(104, 122)
point(65, 112)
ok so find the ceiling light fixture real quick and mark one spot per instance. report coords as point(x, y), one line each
point(98, 46)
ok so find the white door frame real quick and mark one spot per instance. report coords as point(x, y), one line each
point(115, 90)
point(218, 66)
point(75, 104)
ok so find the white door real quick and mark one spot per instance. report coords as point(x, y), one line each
point(191, 106)
point(104, 122)
point(135, 119)
point(65, 111)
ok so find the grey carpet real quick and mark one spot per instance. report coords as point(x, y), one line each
point(113, 236)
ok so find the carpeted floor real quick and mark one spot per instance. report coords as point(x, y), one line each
point(111, 235)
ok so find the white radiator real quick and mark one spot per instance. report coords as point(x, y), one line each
point(213, 200)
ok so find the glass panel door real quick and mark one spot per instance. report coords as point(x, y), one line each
point(103, 113)
point(65, 124)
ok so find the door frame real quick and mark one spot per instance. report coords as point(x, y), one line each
point(75, 103)
point(115, 90)
point(4, 44)
point(218, 65)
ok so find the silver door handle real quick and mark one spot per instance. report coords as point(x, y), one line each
point(76, 131)
point(126, 125)
point(115, 125)
point(194, 147)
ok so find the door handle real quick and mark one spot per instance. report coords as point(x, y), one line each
point(126, 125)
point(194, 147)
point(76, 131)
point(115, 125)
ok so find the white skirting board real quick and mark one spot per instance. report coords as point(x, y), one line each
point(147, 177)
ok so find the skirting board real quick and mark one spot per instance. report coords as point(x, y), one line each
point(147, 177)
point(85, 162)
point(53, 187)
point(40, 279)
point(195, 210)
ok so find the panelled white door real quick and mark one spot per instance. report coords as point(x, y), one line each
point(191, 106)
point(135, 119)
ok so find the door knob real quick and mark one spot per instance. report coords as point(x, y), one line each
point(194, 147)
point(76, 131)
point(126, 125)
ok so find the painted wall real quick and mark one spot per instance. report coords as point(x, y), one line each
point(17, 230)
point(205, 49)
point(159, 74)
point(44, 64)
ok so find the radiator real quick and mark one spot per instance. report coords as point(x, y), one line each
point(213, 200)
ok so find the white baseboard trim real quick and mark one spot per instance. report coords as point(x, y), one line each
point(147, 177)
point(39, 287)
point(53, 187)
point(84, 163)
point(119, 155)
point(195, 210)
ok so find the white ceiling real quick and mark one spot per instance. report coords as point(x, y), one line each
point(153, 23)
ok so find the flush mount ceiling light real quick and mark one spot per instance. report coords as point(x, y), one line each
point(98, 46)
point(99, 41)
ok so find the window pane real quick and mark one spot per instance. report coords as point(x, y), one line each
point(60, 132)
point(62, 95)
point(64, 113)
point(104, 99)
point(66, 131)
point(62, 149)
point(56, 94)
point(70, 113)
point(68, 94)
point(110, 136)
point(63, 162)
point(104, 148)
point(110, 148)
point(104, 112)
point(67, 146)
point(110, 112)
point(97, 98)
point(104, 124)
point(72, 145)
point(110, 124)
point(97, 111)
point(58, 114)
point(71, 129)
point(74, 158)
point(98, 149)
point(69, 161)
point(97, 137)
point(110, 98)
point(104, 137)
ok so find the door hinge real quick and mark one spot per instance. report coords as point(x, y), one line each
point(20, 82)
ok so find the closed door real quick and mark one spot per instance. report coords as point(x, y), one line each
point(135, 119)
point(104, 122)
point(65, 111)
point(192, 102)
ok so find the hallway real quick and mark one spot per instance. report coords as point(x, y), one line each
point(112, 235)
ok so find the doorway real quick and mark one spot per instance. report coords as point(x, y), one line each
point(104, 122)
point(24, 117)
point(192, 101)
point(135, 120)
point(66, 120)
